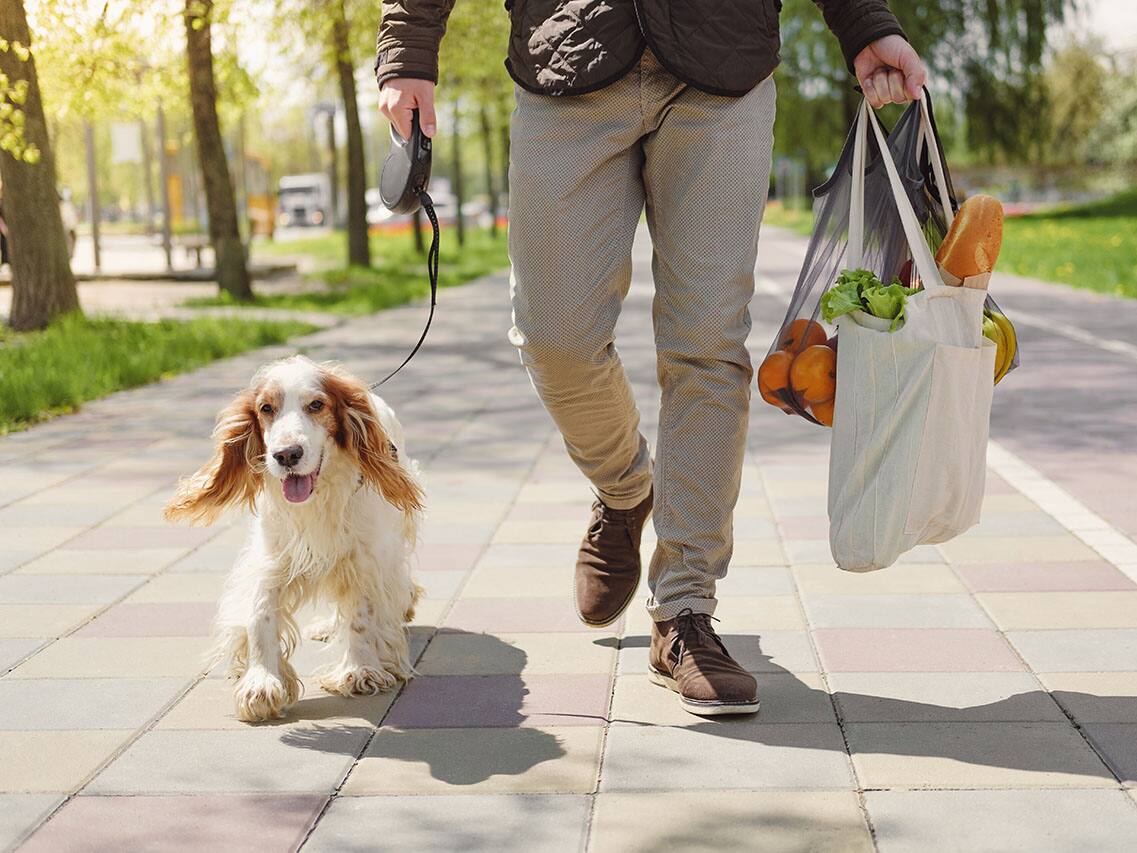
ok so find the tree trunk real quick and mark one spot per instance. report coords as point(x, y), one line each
point(43, 286)
point(358, 248)
point(459, 186)
point(491, 191)
point(224, 234)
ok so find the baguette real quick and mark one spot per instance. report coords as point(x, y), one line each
point(972, 244)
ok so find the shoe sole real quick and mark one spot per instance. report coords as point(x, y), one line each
point(619, 612)
point(698, 707)
point(623, 607)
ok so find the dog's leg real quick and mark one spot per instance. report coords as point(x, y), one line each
point(323, 630)
point(377, 656)
point(269, 685)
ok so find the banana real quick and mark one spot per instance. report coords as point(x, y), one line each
point(993, 332)
point(1012, 339)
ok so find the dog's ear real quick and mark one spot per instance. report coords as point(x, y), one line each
point(359, 432)
point(235, 472)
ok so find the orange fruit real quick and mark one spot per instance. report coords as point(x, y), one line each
point(813, 374)
point(774, 376)
point(823, 411)
point(800, 334)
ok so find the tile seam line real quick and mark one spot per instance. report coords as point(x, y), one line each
point(858, 792)
point(335, 793)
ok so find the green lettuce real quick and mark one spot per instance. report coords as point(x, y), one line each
point(887, 302)
point(862, 290)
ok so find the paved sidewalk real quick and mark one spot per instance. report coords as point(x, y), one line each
point(981, 695)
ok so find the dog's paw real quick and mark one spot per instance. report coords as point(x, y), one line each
point(358, 681)
point(322, 630)
point(417, 593)
point(261, 696)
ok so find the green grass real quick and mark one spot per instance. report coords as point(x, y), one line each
point(1091, 245)
point(78, 359)
point(798, 221)
point(398, 273)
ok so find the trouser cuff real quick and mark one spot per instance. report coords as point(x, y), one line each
point(660, 611)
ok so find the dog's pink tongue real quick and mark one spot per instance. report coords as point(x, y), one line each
point(299, 489)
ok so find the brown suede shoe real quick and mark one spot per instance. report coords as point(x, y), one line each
point(608, 566)
point(688, 657)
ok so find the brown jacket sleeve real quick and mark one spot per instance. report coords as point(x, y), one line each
point(409, 36)
point(858, 23)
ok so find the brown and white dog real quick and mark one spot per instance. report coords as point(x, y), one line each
point(323, 464)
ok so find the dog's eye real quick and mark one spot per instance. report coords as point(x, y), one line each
point(315, 405)
point(266, 408)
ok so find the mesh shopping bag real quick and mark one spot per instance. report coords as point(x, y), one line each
point(795, 353)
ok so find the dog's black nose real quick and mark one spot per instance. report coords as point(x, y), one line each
point(289, 456)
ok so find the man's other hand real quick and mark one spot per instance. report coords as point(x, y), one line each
point(890, 71)
point(400, 96)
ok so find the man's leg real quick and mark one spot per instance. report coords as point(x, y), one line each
point(576, 194)
point(706, 172)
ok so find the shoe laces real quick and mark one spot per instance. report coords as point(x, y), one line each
point(693, 630)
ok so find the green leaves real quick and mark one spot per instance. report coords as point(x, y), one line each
point(861, 290)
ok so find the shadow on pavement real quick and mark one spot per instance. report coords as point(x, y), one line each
point(426, 723)
point(1025, 738)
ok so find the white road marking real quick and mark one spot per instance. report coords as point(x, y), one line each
point(1075, 334)
point(1113, 545)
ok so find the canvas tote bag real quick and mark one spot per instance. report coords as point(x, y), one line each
point(908, 454)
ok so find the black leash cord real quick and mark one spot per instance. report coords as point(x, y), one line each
point(432, 271)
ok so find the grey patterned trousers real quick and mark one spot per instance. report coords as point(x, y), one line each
point(582, 170)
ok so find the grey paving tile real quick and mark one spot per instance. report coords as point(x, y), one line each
point(83, 703)
point(1100, 650)
point(489, 823)
point(895, 611)
point(974, 755)
point(14, 650)
point(942, 696)
point(722, 755)
point(19, 813)
point(311, 759)
point(65, 589)
point(1118, 743)
point(1095, 697)
point(706, 821)
point(1068, 821)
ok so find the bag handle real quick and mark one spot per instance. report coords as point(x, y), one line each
point(928, 137)
point(913, 233)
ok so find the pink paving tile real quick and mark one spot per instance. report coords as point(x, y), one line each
point(500, 701)
point(1090, 575)
point(914, 650)
point(165, 619)
point(140, 538)
point(804, 527)
point(214, 822)
point(444, 556)
point(518, 615)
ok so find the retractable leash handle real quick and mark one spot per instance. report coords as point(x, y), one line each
point(402, 188)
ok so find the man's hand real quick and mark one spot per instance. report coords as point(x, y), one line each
point(400, 96)
point(890, 72)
